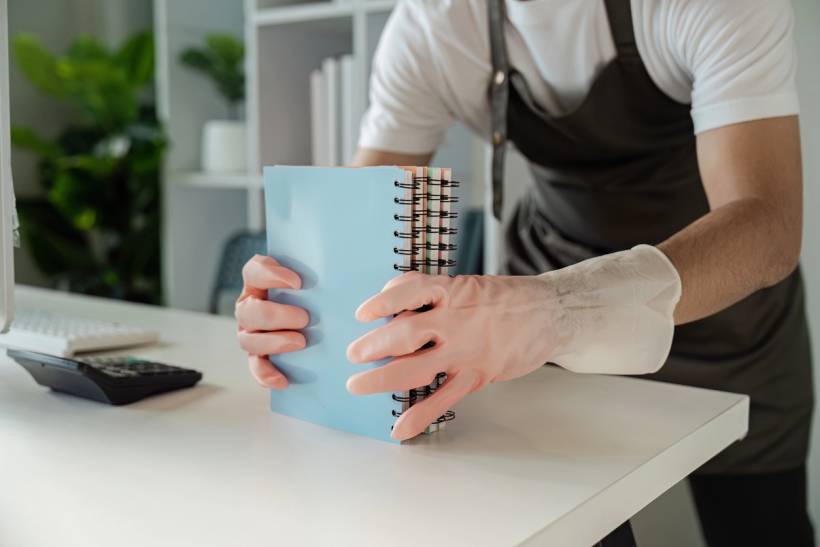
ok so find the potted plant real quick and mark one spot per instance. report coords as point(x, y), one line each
point(96, 229)
point(224, 142)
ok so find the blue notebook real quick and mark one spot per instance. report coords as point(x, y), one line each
point(335, 228)
point(347, 232)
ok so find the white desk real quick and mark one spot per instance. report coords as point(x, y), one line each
point(551, 459)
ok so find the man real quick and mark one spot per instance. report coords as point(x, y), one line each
point(671, 123)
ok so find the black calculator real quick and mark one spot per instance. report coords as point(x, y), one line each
point(112, 380)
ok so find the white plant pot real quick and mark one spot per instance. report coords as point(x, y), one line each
point(224, 146)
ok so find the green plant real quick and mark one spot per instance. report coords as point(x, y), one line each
point(96, 229)
point(221, 59)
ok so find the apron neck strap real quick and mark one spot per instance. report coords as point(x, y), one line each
point(619, 13)
point(499, 97)
point(498, 48)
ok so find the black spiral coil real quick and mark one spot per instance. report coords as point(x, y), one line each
point(427, 230)
point(435, 246)
point(443, 198)
point(415, 185)
point(438, 182)
point(422, 192)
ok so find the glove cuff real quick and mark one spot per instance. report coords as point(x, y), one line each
point(613, 314)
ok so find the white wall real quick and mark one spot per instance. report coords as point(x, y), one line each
point(808, 46)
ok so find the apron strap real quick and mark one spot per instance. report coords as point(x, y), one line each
point(619, 13)
point(499, 97)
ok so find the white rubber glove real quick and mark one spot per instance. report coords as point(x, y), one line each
point(611, 314)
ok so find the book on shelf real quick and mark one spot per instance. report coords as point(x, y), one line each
point(318, 104)
point(333, 125)
point(349, 123)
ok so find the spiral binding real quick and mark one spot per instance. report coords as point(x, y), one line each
point(439, 262)
point(427, 229)
point(425, 211)
point(415, 185)
point(412, 217)
point(418, 215)
point(436, 247)
point(439, 182)
point(416, 199)
point(417, 265)
point(442, 198)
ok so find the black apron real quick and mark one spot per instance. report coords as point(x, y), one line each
point(620, 170)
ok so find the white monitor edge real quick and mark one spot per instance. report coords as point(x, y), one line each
point(6, 190)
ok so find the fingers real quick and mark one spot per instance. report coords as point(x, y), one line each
point(409, 294)
point(403, 278)
point(271, 343)
point(400, 374)
point(419, 416)
point(258, 314)
point(399, 337)
point(261, 273)
point(255, 313)
point(265, 373)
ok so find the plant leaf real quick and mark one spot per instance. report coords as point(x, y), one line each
point(27, 139)
point(39, 66)
point(198, 59)
point(97, 227)
point(101, 89)
point(56, 246)
point(87, 48)
point(222, 61)
point(136, 57)
point(226, 48)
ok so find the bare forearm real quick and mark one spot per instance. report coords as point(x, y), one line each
point(751, 238)
point(730, 253)
point(367, 156)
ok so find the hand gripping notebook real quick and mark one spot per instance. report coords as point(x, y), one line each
point(347, 232)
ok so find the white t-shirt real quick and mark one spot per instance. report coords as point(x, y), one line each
point(732, 60)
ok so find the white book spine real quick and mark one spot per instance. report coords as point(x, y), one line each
point(317, 107)
point(348, 121)
point(330, 69)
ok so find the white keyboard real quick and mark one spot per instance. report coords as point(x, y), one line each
point(65, 335)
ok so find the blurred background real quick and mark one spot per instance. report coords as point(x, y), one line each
point(140, 128)
point(64, 208)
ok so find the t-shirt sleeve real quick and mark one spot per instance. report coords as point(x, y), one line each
point(742, 60)
point(406, 113)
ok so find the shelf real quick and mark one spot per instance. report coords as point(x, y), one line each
point(216, 180)
point(299, 13)
point(375, 6)
point(312, 11)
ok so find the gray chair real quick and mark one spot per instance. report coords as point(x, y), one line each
point(237, 250)
point(470, 239)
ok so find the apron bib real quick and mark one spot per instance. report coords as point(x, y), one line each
point(619, 170)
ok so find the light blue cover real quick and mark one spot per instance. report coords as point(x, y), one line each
point(334, 227)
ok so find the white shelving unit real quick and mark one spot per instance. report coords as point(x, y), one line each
point(279, 82)
point(200, 211)
point(283, 44)
point(240, 181)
